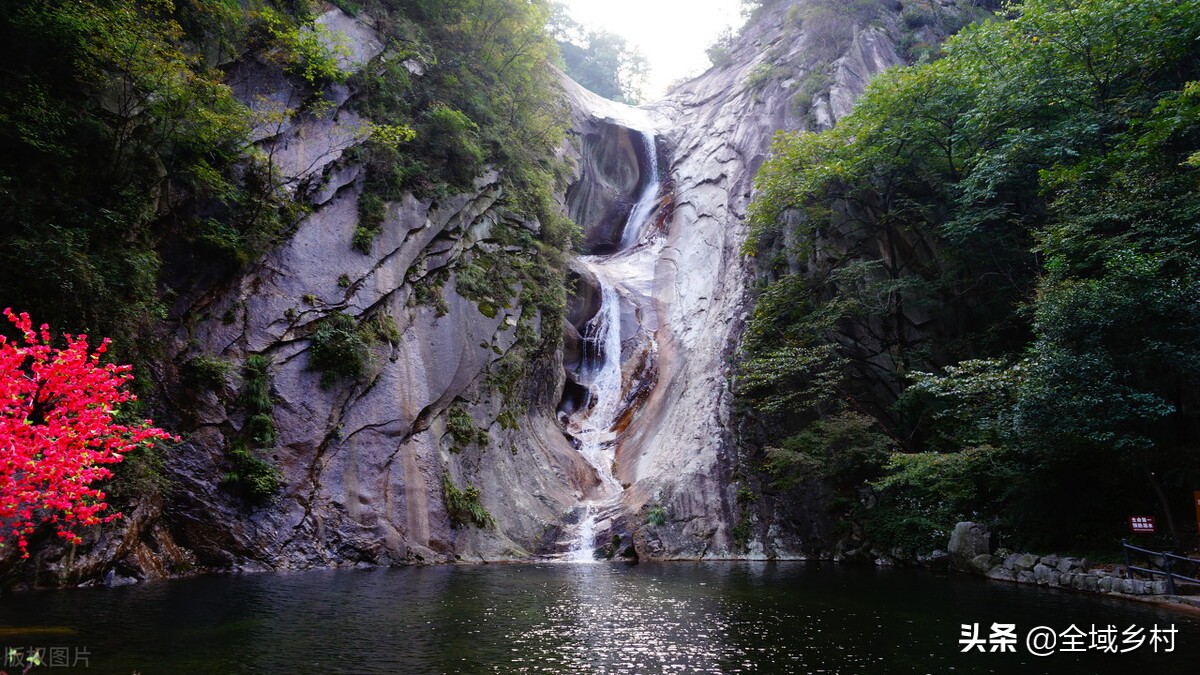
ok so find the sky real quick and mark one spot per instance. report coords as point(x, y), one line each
point(671, 34)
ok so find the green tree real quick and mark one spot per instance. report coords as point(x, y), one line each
point(600, 60)
point(109, 123)
point(1029, 199)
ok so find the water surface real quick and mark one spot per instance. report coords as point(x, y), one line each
point(587, 618)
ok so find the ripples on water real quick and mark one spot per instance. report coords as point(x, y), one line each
point(575, 618)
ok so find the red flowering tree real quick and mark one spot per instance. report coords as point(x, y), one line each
point(58, 432)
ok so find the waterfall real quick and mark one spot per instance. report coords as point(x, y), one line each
point(601, 373)
point(593, 426)
point(603, 340)
point(640, 215)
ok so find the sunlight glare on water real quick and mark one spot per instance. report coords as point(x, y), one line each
point(592, 618)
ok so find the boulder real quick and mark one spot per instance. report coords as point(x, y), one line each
point(981, 563)
point(967, 542)
point(1042, 572)
point(1000, 573)
point(1025, 562)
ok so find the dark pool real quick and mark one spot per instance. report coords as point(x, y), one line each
point(553, 618)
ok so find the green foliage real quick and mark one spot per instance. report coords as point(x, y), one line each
point(719, 52)
point(122, 150)
point(384, 328)
point(485, 95)
point(916, 16)
point(829, 25)
point(842, 452)
point(508, 420)
point(142, 476)
point(972, 403)
point(339, 349)
point(762, 75)
point(128, 178)
point(110, 105)
point(532, 280)
point(254, 478)
point(815, 82)
point(481, 95)
point(601, 61)
point(256, 385)
point(1042, 163)
point(341, 345)
point(656, 516)
point(463, 506)
point(746, 495)
point(454, 136)
point(304, 49)
point(427, 291)
point(371, 211)
point(924, 494)
point(207, 372)
point(741, 533)
point(787, 364)
point(463, 430)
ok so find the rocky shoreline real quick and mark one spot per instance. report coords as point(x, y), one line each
point(970, 552)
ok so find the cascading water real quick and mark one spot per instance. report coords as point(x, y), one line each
point(647, 200)
point(601, 373)
point(597, 442)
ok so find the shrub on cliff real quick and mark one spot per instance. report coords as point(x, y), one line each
point(59, 430)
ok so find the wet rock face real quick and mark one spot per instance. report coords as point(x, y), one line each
point(613, 173)
point(678, 453)
point(582, 305)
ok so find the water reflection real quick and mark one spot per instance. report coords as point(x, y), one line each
point(592, 618)
point(607, 618)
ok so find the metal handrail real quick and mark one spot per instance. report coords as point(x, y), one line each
point(1166, 571)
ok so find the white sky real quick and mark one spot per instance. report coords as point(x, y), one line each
point(671, 34)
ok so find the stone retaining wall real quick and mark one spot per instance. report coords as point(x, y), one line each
point(1076, 573)
point(969, 552)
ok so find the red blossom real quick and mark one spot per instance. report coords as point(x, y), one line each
point(58, 433)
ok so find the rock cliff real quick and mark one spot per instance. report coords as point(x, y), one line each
point(364, 461)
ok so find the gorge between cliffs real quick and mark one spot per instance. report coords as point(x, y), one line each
point(386, 336)
point(629, 423)
point(399, 291)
